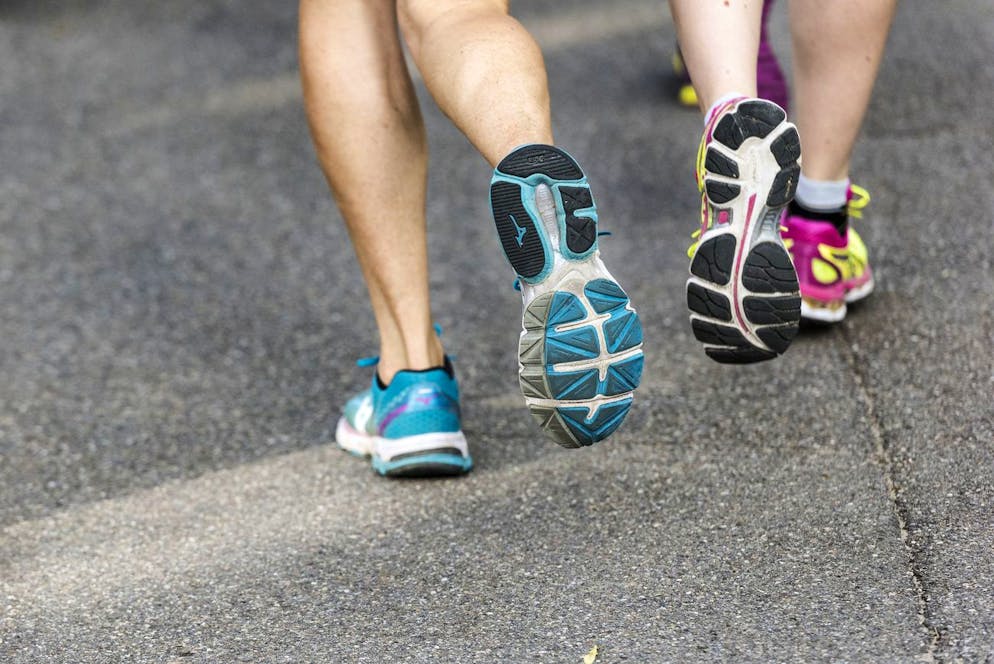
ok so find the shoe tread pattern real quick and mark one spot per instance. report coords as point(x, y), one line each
point(772, 310)
point(544, 346)
point(751, 119)
point(518, 234)
point(544, 159)
point(708, 303)
point(713, 259)
point(581, 232)
point(768, 269)
point(774, 307)
point(771, 303)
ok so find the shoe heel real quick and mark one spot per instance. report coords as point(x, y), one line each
point(520, 228)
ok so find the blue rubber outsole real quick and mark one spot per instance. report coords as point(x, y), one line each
point(581, 349)
point(581, 359)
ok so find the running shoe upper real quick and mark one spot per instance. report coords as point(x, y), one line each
point(359, 412)
point(859, 262)
point(409, 428)
point(831, 259)
point(820, 254)
point(414, 403)
point(861, 274)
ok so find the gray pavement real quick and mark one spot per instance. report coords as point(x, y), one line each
point(179, 312)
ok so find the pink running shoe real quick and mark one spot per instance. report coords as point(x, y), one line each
point(831, 260)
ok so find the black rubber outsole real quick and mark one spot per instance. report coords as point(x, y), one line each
point(773, 304)
point(520, 239)
point(426, 471)
point(754, 119)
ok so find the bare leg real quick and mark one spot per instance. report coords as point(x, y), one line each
point(484, 70)
point(719, 40)
point(370, 140)
point(770, 81)
point(487, 75)
point(838, 46)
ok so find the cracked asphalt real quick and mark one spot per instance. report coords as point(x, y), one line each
point(180, 311)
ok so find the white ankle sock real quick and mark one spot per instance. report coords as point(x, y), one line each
point(717, 104)
point(822, 195)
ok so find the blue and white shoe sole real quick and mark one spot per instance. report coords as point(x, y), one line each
point(424, 455)
point(580, 352)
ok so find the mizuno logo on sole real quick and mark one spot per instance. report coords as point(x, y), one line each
point(521, 230)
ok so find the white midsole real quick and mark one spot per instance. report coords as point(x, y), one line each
point(353, 441)
point(823, 315)
point(388, 448)
point(826, 315)
point(859, 293)
point(592, 405)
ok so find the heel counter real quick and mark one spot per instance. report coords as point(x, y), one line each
point(421, 409)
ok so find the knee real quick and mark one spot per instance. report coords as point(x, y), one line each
point(421, 19)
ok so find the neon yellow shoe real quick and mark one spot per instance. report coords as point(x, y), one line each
point(832, 262)
point(686, 94)
point(859, 283)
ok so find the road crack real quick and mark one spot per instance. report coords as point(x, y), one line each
point(857, 364)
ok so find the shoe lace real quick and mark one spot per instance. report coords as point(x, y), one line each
point(705, 211)
point(696, 235)
point(859, 198)
point(692, 249)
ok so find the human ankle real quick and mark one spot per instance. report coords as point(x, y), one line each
point(839, 218)
point(822, 195)
point(417, 357)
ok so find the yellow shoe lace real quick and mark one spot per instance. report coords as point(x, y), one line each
point(860, 199)
point(692, 249)
point(705, 212)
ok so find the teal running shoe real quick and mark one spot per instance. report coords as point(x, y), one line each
point(410, 428)
point(580, 352)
